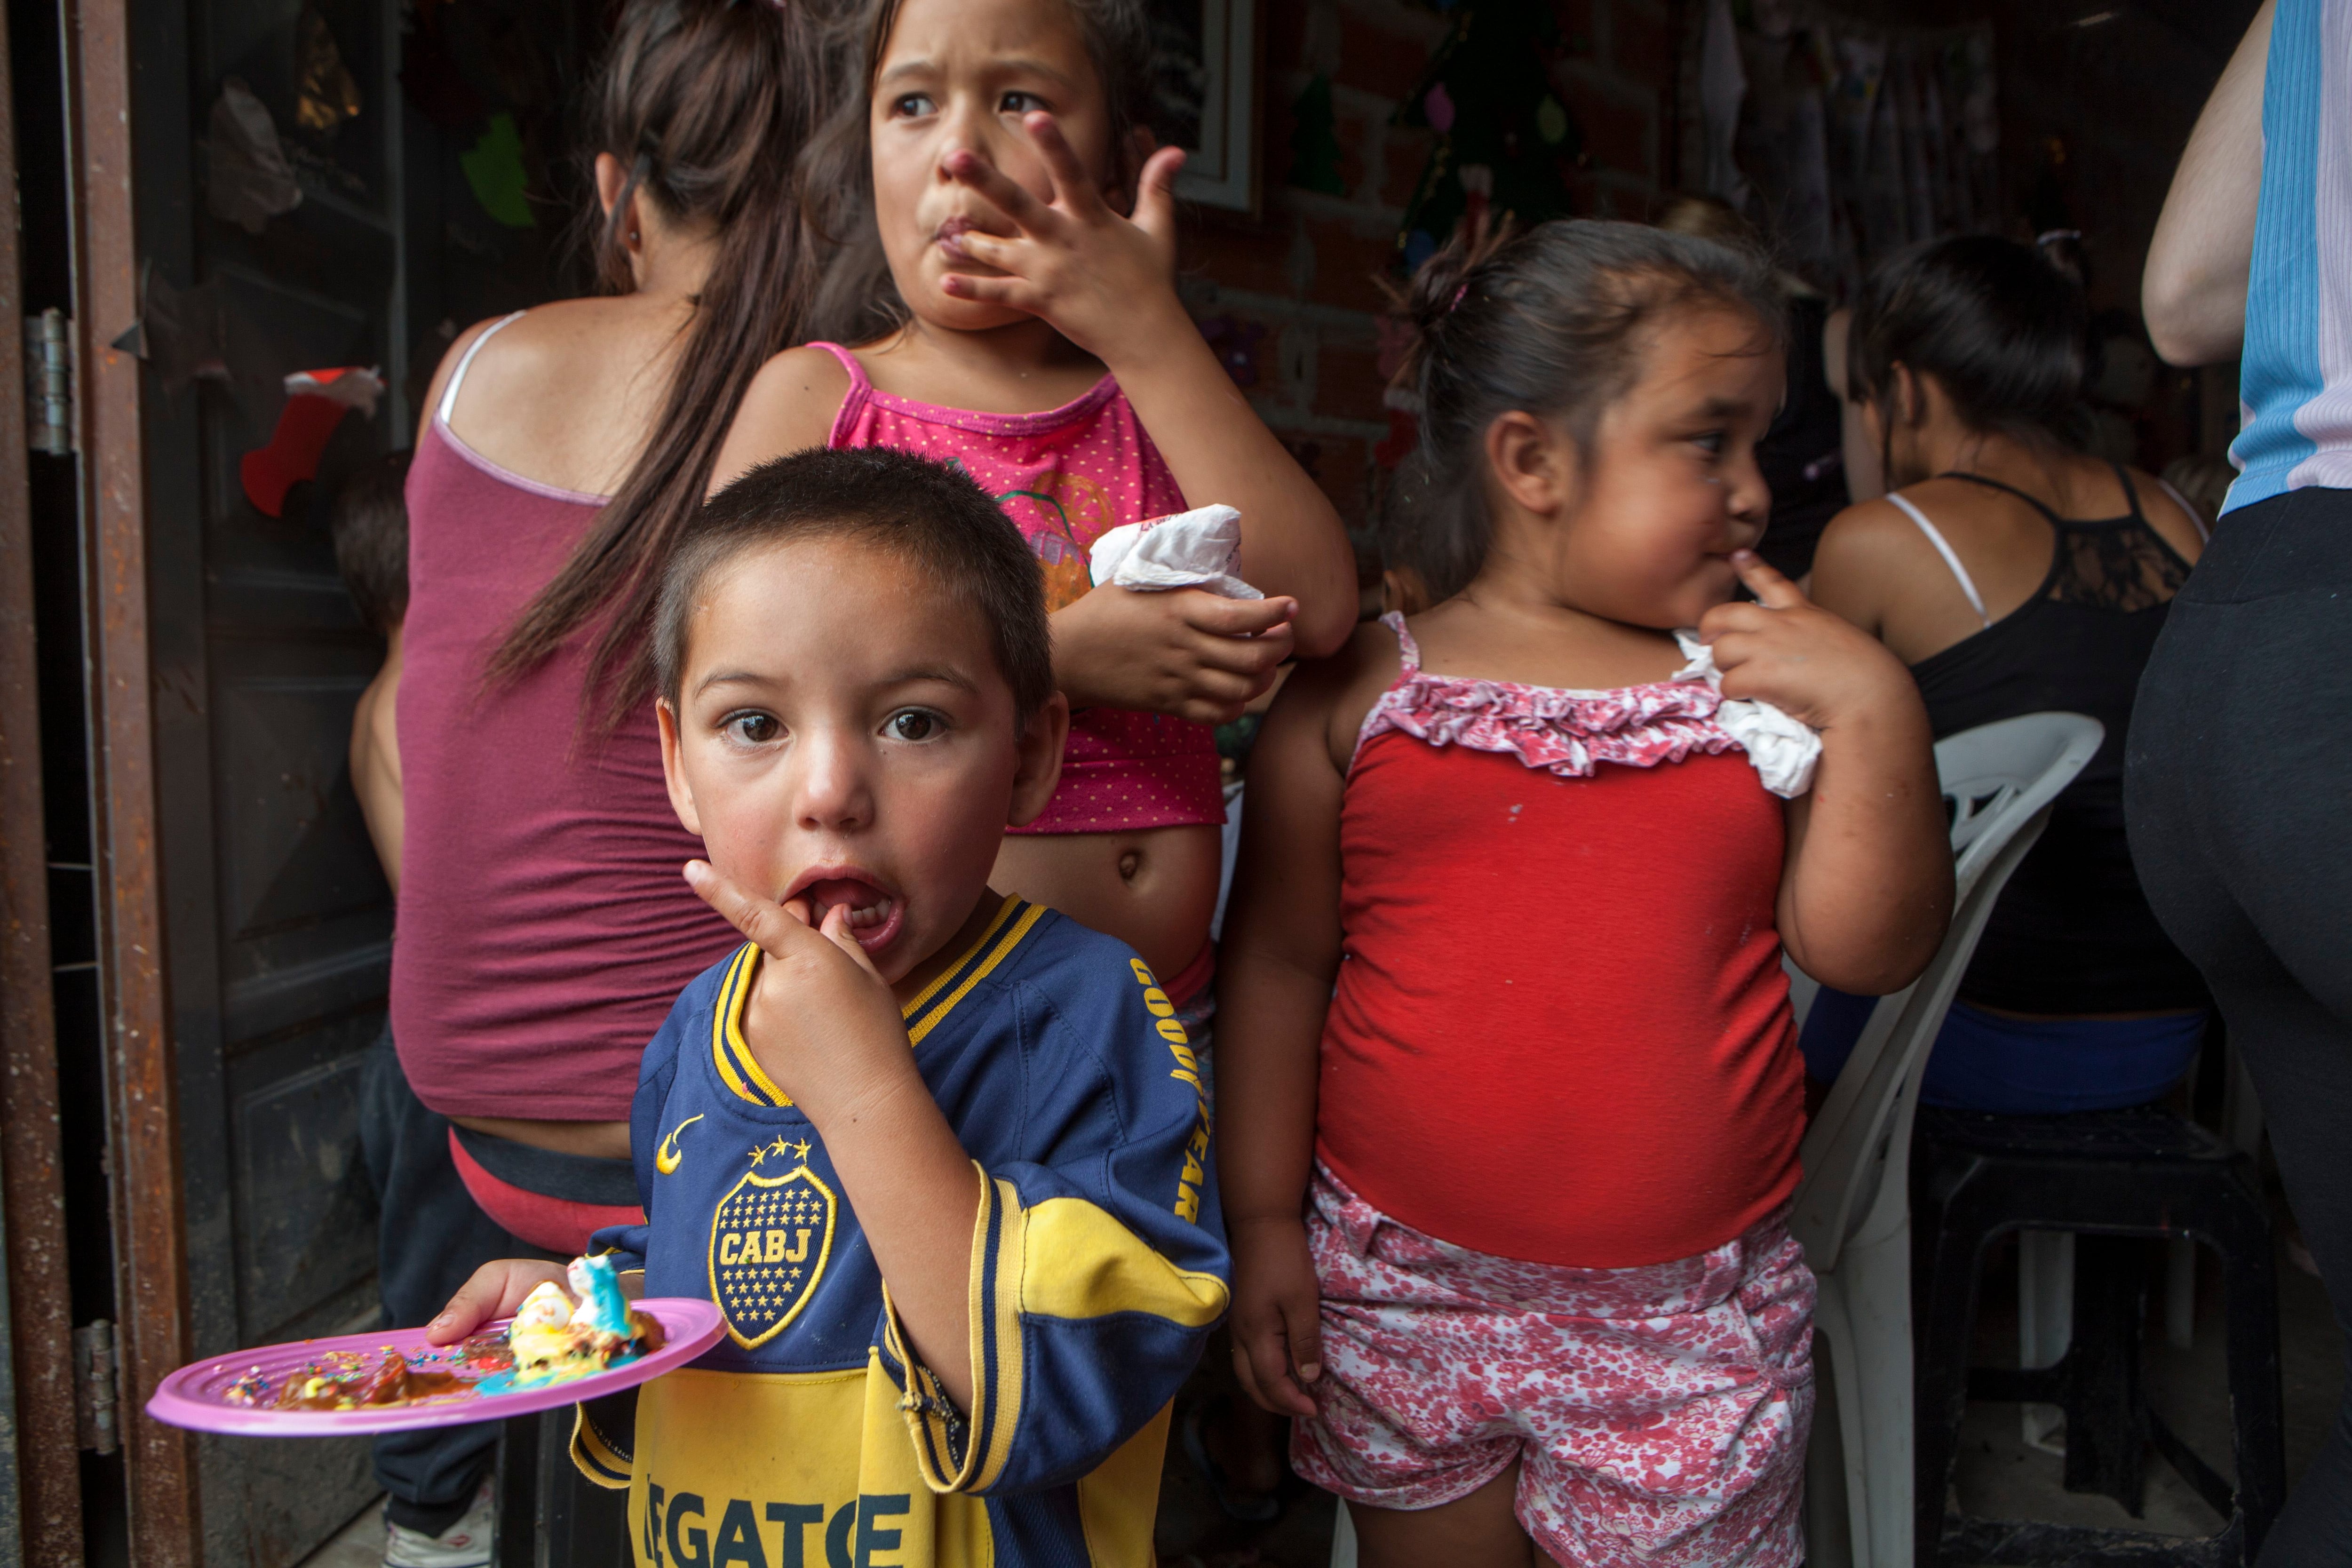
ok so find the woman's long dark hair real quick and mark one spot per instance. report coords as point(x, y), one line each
point(707, 103)
point(1999, 324)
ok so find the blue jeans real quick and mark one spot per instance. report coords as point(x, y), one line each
point(2021, 1066)
point(434, 1236)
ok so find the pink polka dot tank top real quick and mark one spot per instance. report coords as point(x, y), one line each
point(1065, 476)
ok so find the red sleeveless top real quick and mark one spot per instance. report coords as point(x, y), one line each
point(1561, 1031)
point(542, 929)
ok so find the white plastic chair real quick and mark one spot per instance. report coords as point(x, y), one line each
point(1853, 1210)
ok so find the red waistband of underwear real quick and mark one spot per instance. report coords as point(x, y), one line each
point(558, 1225)
point(1193, 979)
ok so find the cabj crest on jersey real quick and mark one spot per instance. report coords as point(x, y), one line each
point(770, 1239)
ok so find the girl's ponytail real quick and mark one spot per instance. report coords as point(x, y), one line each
point(1551, 323)
point(706, 102)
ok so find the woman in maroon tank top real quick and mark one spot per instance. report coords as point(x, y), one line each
point(544, 929)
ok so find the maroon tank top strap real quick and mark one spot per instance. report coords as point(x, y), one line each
point(853, 403)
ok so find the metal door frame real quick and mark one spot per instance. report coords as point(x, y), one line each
point(145, 1198)
point(36, 1377)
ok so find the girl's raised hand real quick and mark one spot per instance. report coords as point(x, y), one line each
point(1074, 261)
point(1786, 650)
point(1186, 652)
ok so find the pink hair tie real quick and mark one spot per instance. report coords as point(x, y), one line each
point(1455, 303)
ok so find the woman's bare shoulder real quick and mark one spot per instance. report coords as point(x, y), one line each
point(1865, 553)
point(566, 393)
point(1871, 533)
point(788, 407)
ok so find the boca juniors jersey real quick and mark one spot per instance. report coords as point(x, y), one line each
point(810, 1434)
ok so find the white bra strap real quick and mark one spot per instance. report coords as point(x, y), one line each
point(464, 363)
point(2204, 534)
point(1943, 548)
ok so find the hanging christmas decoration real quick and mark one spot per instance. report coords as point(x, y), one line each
point(1503, 140)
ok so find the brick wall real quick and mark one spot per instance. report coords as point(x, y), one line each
point(1289, 296)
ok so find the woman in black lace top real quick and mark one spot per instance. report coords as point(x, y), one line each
point(2015, 575)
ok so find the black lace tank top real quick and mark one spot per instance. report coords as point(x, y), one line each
point(2072, 932)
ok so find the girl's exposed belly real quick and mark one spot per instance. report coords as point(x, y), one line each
point(1154, 888)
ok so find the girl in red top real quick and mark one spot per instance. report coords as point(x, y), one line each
point(1505, 1015)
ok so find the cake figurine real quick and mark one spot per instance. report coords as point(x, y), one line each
point(554, 1341)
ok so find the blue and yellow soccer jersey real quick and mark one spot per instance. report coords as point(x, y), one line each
point(809, 1434)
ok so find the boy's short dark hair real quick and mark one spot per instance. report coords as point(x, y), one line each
point(370, 523)
point(933, 515)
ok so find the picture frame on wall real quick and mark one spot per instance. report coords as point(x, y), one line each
point(1205, 96)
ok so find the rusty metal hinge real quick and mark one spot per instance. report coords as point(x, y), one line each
point(95, 1385)
point(49, 383)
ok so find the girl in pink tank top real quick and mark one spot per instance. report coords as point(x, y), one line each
point(1041, 347)
point(1065, 477)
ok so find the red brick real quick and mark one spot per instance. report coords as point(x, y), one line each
point(1615, 136)
point(1286, 36)
point(1354, 136)
point(1641, 47)
point(1346, 264)
point(1339, 469)
point(1258, 262)
point(1377, 61)
point(1408, 155)
point(1575, 30)
point(1348, 383)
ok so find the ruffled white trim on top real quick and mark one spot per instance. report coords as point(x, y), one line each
point(1570, 732)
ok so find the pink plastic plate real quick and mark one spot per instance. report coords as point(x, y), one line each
point(201, 1396)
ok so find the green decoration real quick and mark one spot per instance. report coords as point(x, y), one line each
point(1504, 142)
point(1315, 140)
point(494, 169)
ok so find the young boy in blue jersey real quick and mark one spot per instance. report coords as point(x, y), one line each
point(940, 1155)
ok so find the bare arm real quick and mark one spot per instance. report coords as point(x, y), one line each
point(1106, 282)
point(1849, 572)
point(788, 407)
point(2194, 291)
point(1218, 449)
point(375, 768)
point(1866, 889)
point(1280, 952)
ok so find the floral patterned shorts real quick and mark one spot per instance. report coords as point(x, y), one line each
point(1657, 1414)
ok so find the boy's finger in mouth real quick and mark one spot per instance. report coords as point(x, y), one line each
point(872, 912)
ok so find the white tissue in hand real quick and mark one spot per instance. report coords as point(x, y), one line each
point(1784, 750)
point(1196, 549)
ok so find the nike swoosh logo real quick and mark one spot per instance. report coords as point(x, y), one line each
point(668, 1158)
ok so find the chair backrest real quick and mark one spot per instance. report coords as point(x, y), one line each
point(2000, 780)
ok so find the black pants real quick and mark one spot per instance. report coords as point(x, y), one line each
point(434, 1236)
point(2239, 774)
